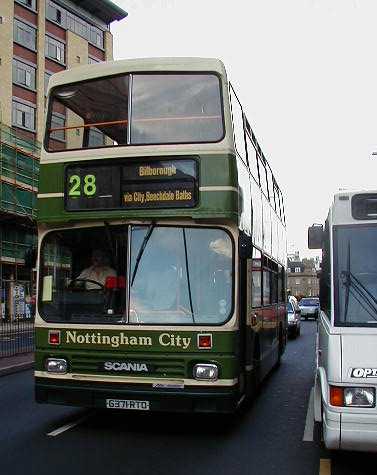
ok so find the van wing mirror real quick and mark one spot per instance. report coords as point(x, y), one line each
point(315, 236)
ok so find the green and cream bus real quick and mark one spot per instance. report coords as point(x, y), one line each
point(162, 242)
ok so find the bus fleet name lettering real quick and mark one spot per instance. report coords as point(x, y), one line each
point(141, 197)
point(96, 338)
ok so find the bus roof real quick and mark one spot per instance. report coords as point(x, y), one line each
point(110, 68)
point(343, 211)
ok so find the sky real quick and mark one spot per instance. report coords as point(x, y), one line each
point(305, 72)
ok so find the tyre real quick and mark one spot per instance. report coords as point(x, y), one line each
point(298, 331)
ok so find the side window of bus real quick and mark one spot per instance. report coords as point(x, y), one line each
point(282, 207)
point(281, 284)
point(274, 286)
point(263, 178)
point(238, 125)
point(277, 201)
point(266, 283)
point(270, 186)
point(252, 159)
point(256, 279)
point(325, 279)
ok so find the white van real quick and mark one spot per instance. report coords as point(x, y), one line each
point(346, 350)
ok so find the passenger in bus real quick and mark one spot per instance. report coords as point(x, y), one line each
point(98, 271)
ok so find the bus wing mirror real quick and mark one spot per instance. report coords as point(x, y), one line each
point(315, 236)
point(31, 258)
point(245, 248)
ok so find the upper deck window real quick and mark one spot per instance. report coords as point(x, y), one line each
point(138, 110)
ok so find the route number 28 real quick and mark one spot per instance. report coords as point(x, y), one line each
point(89, 188)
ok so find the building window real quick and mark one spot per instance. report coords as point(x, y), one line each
point(96, 36)
point(46, 79)
point(297, 269)
point(81, 27)
point(23, 116)
point(28, 3)
point(23, 74)
point(24, 34)
point(297, 281)
point(57, 122)
point(55, 14)
point(54, 49)
point(72, 22)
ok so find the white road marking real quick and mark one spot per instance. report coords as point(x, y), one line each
point(309, 423)
point(68, 426)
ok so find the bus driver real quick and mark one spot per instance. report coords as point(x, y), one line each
point(98, 271)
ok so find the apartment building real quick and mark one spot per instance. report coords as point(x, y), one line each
point(37, 39)
point(302, 279)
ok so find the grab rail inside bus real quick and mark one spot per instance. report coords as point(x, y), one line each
point(125, 121)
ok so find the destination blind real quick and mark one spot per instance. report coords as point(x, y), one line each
point(136, 185)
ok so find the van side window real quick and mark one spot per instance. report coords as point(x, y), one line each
point(325, 280)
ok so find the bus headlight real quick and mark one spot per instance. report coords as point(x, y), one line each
point(359, 397)
point(206, 372)
point(56, 365)
point(341, 396)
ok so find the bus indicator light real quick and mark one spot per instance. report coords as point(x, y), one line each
point(205, 341)
point(336, 396)
point(54, 337)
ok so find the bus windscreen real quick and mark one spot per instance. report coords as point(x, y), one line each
point(138, 275)
point(355, 275)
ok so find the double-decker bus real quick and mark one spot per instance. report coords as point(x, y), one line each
point(162, 242)
point(346, 374)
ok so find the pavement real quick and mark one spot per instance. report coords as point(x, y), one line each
point(14, 364)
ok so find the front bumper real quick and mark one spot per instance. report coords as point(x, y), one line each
point(309, 313)
point(94, 395)
point(293, 327)
point(350, 431)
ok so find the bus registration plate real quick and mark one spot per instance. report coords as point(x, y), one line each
point(127, 404)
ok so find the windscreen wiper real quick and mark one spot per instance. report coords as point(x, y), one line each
point(367, 298)
point(345, 276)
point(188, 276)
point(141, 250)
